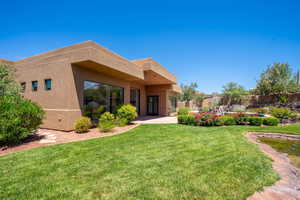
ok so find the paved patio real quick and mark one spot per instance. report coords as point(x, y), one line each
point(155, 120)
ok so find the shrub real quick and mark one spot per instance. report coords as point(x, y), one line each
point(241, 118)
point(121, 122)
point(270, 121)
point(127, 113)
point(259, 111)
point(187, 120)
point(256, 121)
point(219, 122)
point(106, 122)
point(183, 111)
point(18, 118)
point(283, 113)
point(228, 120)
point(94, 112)
point(83, 125)
point(207, 119)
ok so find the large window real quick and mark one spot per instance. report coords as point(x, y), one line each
point(99, 97)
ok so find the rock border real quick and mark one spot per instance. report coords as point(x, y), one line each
point(288, 187)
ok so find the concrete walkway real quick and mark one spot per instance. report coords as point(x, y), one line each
point(155, 120)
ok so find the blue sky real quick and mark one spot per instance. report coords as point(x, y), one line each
point(209, 42)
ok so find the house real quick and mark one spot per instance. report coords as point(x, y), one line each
point(80, 79)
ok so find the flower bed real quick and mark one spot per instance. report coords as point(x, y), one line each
point(211, 119)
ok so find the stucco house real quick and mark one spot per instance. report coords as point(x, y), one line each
point(68, 81)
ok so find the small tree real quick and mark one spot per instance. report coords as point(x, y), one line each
point(8, 85)
point(188, 92)
point(234, 93)
point(277, 80)
point(199, 97)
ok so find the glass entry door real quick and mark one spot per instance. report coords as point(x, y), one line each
point(152, 105)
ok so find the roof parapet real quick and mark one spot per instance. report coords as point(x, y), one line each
point(149, 64)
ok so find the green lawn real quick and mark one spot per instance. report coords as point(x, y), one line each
point(149, 162)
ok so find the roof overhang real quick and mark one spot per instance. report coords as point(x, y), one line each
point(176, 88)
point(89, 54)
point(154, 73)
point(105, 70)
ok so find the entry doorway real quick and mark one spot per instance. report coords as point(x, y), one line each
point(152, 105)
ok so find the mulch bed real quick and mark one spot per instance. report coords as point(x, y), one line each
point(61, 137)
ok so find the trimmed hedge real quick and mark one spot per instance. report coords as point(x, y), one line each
point(187, 120)
point(255, 121)
point(228, 120)
point(271, 121)
point(241, 118)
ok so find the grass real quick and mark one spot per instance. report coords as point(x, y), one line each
point(149, 162)
point(291, 129)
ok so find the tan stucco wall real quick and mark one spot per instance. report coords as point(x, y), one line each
point(68, 68)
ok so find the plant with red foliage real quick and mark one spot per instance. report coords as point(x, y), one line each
point(207, 119)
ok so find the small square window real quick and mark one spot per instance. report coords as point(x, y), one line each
point(23, 86)
point(48, 84)
point(34, 85)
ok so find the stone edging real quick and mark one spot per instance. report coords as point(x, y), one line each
point(288, 187)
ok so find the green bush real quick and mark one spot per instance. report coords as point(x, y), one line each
point(187, 119)
point(126, 113)
point(106, 122)
point(228, 120)
point(219, 122)
point(83, 125)
point(256, 121)
point(18, 118)
point(94, 113)
point(241, 118)
point(121, 122)
point(183, 111)
point(283, 113)
point(270, 121)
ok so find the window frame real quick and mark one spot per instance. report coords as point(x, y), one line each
point(45, 85)
point(108, 92)
point(33, 88)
